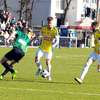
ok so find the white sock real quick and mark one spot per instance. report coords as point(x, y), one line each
point(85, 69)
point(49, 68)
point(39, 65)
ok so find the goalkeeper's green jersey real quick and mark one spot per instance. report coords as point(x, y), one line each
point(22, 41)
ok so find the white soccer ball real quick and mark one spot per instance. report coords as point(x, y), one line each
point(45, 73)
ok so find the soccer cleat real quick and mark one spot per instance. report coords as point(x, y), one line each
point(98, 70)
point(49, 78)
point(13, 75)
point(1, 77)
point(38, 72)
point(78, 80)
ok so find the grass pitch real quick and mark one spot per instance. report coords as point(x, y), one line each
point(66, 64)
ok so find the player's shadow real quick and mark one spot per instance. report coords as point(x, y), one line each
point(39, 81)
point(54, 82)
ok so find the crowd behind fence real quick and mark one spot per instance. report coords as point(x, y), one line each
point(8, 26)
point(63, 42)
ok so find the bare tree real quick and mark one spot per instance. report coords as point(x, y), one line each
point(97, 14)
point(66, 10)
point(20, 11)
point(1, 2)
point(25, 11)
point(5, 5)
point(30, 14)
point(28, 10)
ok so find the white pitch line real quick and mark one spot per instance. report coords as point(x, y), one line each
point(50, 91)
point(59, 56)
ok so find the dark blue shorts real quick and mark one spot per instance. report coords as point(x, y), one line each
point(15, 54)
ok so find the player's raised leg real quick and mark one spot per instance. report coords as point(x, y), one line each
point(7, 67)
point(84, 71)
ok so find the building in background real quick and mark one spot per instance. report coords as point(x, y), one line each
point(78, 11)
point(81, 9)
point(13, 7)
point(44, 8)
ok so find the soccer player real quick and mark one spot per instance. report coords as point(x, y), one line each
point(49, 33)
point(21, 42)
point(95, 55)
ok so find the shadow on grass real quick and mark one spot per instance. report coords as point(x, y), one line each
point(43, 81)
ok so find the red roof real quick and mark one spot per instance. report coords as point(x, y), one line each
point(80, 27)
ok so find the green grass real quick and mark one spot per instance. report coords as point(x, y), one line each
point(66, 64)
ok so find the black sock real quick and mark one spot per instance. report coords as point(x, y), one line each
point(5, 72)
point(8, 67)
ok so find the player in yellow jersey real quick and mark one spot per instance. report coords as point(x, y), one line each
point(95, 55)
point(97, 47)
point(48, 34)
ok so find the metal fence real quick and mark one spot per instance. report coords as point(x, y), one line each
point(63, 42)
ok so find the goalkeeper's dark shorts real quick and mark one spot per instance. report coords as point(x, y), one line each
point(15, 54)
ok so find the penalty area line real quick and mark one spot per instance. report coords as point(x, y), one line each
point(50, 91)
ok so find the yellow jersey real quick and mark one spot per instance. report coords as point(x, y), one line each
point(47, 37)
point(97, 42)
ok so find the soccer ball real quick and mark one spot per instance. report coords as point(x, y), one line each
point(45, 73)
